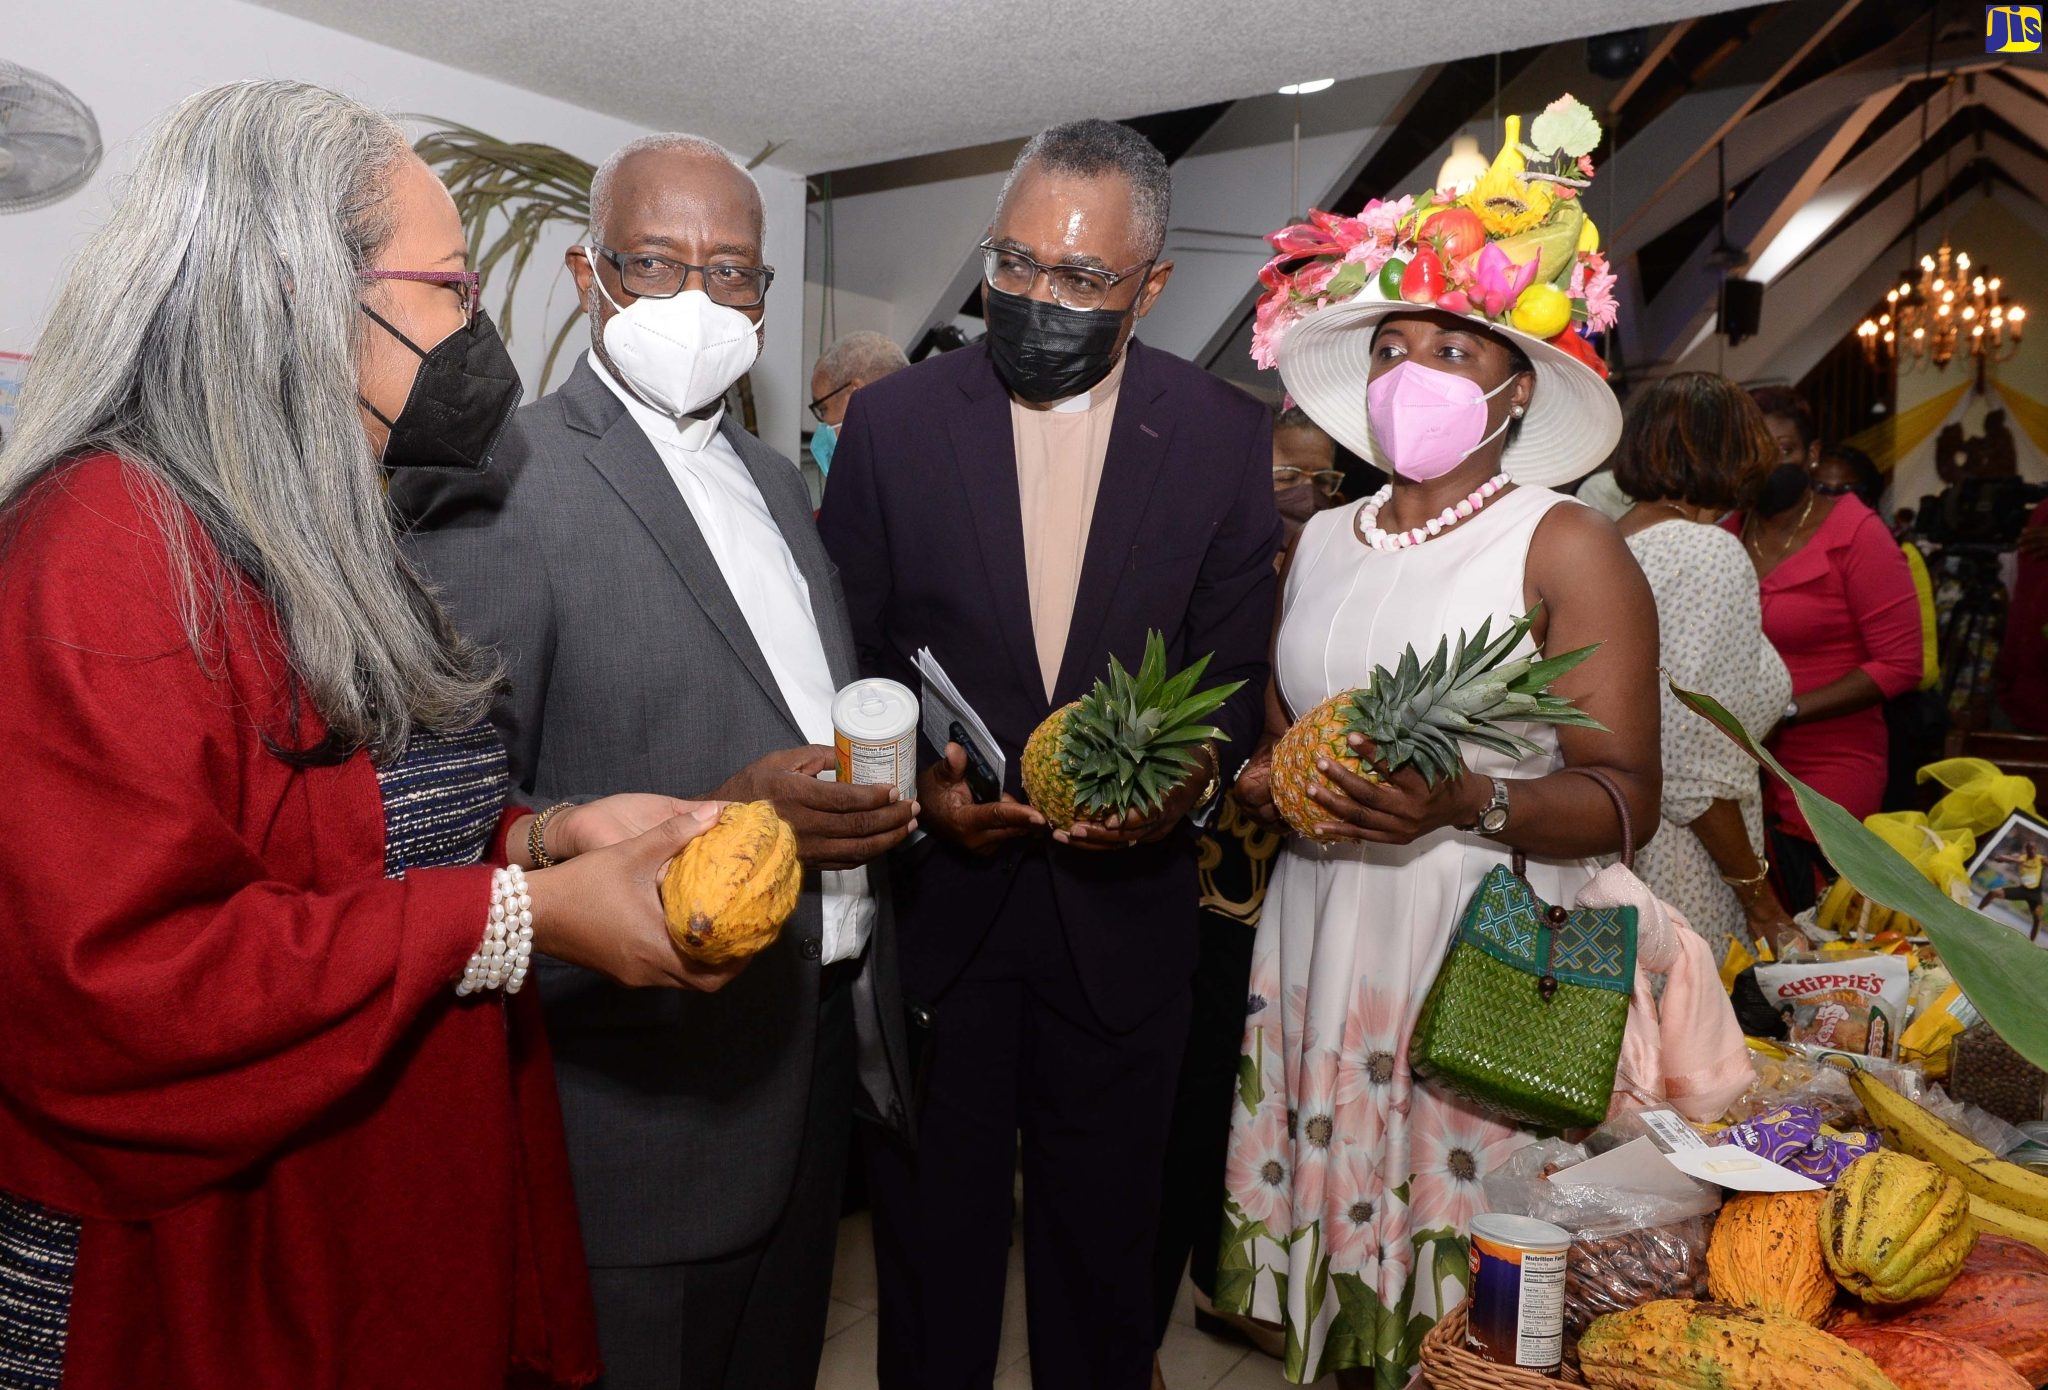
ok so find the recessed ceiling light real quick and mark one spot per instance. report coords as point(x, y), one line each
point(1302, 89)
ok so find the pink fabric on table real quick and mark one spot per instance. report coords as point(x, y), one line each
point(1687, 1049)
point(1843, 602)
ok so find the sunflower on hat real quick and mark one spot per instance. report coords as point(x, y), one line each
point(1515, 248)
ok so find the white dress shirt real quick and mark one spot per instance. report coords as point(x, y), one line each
point(774, 599)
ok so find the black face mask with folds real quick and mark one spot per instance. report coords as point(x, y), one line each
point(1783, 488)
point(1297, 503)
point(461, 399)
point(1048, 352)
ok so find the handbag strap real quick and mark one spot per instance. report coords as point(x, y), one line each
point(1628, 829)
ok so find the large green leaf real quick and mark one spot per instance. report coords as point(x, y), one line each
point(2005, 977)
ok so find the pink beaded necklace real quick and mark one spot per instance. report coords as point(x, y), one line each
point(1367, 524)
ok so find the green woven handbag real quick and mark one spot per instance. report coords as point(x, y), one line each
point(1525, 1018)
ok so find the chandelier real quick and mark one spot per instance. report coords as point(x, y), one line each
point(1948, 310)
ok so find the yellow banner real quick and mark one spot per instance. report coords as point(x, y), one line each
point(1891, 440)
point(2028, 413)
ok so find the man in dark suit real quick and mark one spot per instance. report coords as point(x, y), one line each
point(652, 579)
point(1027, 507)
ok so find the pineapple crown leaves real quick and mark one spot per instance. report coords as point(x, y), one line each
point(1420, 711)
point(1134, 738)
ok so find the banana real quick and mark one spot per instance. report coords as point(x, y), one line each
point(2021, 1191)
point(2004, 1221)
point(1834, 908)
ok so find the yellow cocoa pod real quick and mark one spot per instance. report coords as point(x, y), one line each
point(728, 893)
point(1675, 1345)
point(1896, 1229)
point(1766, 1255)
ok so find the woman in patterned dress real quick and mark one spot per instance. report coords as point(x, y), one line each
point(1352, 1185)
point(1693, 448)
point(250, 1133)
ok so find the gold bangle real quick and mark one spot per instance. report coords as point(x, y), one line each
point(1763, 873)
point(537, 835)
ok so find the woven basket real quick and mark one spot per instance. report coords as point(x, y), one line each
point(1448, 1365)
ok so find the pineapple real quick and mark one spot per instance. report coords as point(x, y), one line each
point(1417, 714)
point(1118, 750)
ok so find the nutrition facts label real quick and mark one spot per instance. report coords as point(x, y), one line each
point(1539, 1339)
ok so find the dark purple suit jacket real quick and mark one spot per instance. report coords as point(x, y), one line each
point(922, 518)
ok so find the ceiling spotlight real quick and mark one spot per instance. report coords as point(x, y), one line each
point(1302, 89)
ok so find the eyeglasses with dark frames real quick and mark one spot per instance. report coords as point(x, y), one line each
point(818, 405)
point(466, 283)
point(648, 276)
point(1073, 286)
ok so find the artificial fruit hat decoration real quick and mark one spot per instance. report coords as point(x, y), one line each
point(1514, 251)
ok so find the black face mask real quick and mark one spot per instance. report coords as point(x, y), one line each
point(1782, 488)
point(1297, 504)
point(1047, 352)
point(461, 399)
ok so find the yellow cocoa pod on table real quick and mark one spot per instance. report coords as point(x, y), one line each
point(1766, 1254)
point(1673, 1344)
point(1896, 1229)
point(728, 893)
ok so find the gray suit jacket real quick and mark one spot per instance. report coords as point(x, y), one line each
point(630, 668)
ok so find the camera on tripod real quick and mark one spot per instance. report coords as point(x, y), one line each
point(1987, 512)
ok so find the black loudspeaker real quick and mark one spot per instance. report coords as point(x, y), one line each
point(1742, 308)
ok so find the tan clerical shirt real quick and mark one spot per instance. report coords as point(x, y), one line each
point(1060, 450)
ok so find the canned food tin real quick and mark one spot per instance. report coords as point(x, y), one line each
point(874, 726)
point(1517, 1314)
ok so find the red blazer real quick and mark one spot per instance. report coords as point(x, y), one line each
point(233, 1049)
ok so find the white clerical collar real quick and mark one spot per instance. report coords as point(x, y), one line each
point(690, 434)
point(1107, 387)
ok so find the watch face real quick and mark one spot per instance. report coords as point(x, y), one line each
point(1494, 821)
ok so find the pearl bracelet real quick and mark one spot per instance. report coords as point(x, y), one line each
point(501, 960)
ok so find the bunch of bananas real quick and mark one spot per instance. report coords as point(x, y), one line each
point(1847, 913)
point(2005, 1198)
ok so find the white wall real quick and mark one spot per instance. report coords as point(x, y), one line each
point(131, 60)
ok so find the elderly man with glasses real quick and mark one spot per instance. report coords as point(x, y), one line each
point(843, 369)
point(1026, 507)
point(654, 584)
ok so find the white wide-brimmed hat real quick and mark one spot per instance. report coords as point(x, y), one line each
point(1513, 251)
point(1572, 424)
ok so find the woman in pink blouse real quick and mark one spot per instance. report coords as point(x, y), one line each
point(1839, 605)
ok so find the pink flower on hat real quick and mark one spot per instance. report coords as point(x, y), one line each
point(1499, 279)
point(1593, 282)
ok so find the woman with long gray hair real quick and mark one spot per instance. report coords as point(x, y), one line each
point(273, 1110)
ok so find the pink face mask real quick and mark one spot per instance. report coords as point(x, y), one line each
point(1427, 422)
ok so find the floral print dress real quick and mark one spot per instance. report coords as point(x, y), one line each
point(1351, 1185)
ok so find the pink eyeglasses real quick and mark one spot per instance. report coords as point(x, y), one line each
point(466, 283)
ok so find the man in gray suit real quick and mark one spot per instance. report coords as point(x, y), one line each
point(651, 576)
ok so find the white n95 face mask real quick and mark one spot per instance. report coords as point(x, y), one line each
point(678, 354)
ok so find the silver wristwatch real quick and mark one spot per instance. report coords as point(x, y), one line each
point(1494, 817)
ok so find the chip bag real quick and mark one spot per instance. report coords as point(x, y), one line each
point(1848, 1003)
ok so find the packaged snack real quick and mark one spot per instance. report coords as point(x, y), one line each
point(1851, 1003)
point(1937, 1020)
point(1794, 1137)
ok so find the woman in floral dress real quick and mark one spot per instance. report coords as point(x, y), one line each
point(1351, 1183)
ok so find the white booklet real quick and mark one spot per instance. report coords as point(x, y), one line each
point(948, 718)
